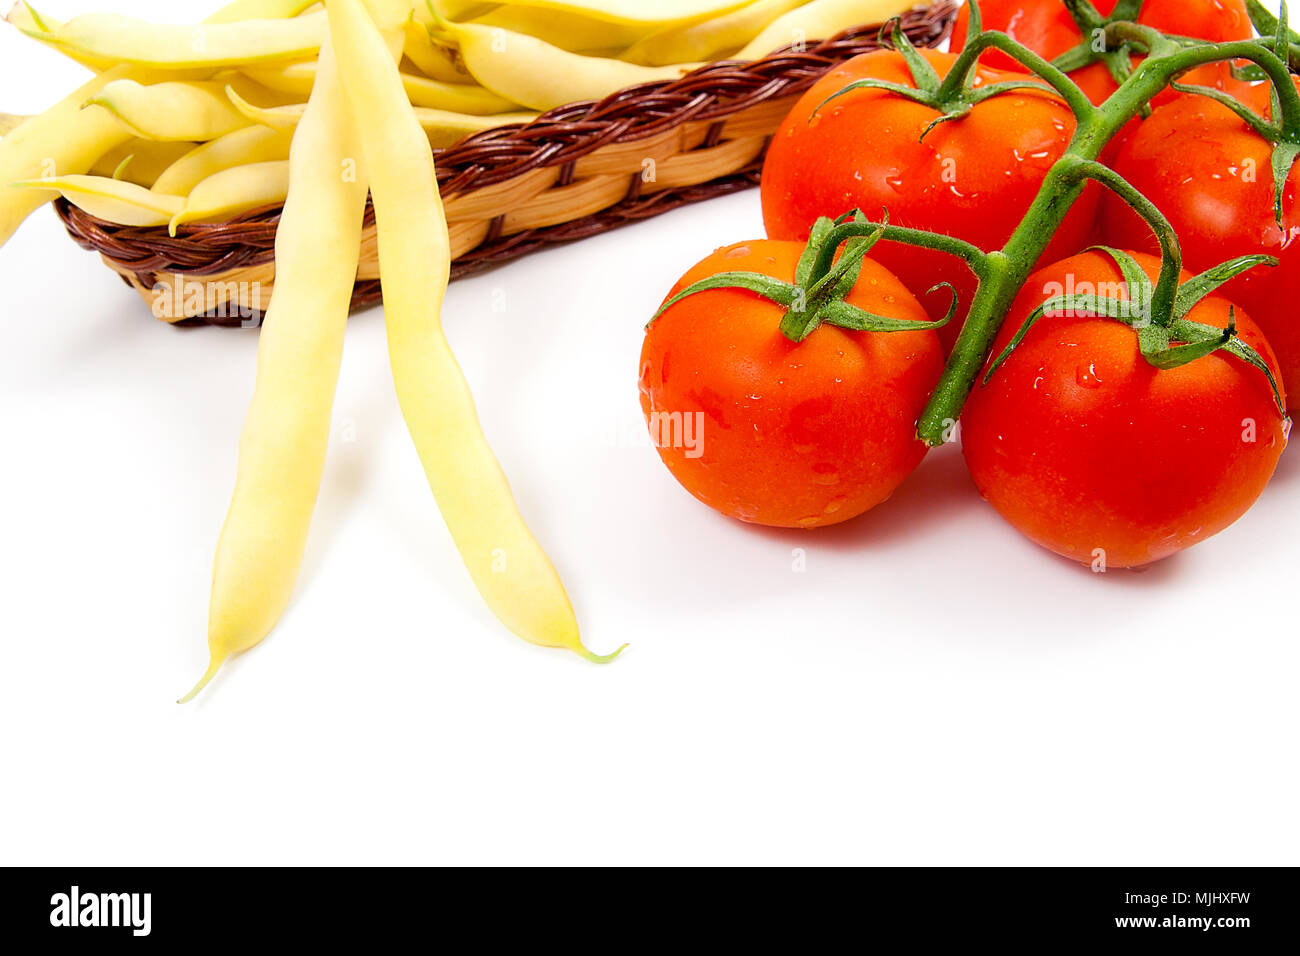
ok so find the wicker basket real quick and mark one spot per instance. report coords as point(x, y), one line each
point(573, 172)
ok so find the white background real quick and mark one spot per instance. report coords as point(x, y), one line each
point(933, 690)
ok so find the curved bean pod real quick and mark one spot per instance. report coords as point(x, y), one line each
point(711, 39)
point(65, 140)
point(234, 191)
point(432, 59)
point(10, 122)
point(572, 32)
point(657, 15)
point(442, 128)
point(514, 576)
point(297, 79)
point(140, 161)
point(820, 20)
point(261, 10)
point(111, 199)
point(253, 144)
point(111, 37)
point(541, 76)
point(171, 111)
point(286, 431)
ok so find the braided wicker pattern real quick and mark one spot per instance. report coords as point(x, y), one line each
point(574, 172)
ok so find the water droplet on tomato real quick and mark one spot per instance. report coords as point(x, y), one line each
point(826, 474)
point(1086, 376)
point(738, 253)
point(810, 522)
point(836, 505)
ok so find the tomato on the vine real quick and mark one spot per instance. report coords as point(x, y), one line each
point(779, 433)
point(1211, 175)
point(972, 177)
point(1046, 27)
point(1091, 451)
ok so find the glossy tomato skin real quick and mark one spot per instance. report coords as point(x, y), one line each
point(1210, 174)
point(1045, 26)
point(1094, 454)
point(973, 178)
point(791, 436)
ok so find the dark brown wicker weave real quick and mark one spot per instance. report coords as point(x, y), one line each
point(705, 100)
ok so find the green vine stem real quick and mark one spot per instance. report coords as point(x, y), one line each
point(1003, 273)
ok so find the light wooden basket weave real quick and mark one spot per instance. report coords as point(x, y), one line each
point(573, 172)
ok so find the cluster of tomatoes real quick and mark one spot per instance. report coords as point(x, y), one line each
point(1078, 440)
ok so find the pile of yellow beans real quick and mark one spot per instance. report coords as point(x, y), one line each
point(319, 106)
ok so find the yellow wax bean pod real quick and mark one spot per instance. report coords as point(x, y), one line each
point(168, 46)
point(41, 28)
point(541, 76)
point(435, 60)
point(655, 15)
point(64, 140)
point(172, 112)
point(455, 97)
point(452, 10)
point(512, 573)
point(113, 200)
point(297, 79)
point(711, 39)
point(578, 34)
point(234, 191)
point(261, 10)
point(442, 128)
point(286, 431)
point(10, 122)
point(140, 161)
point(253, 144)
point(282, 118)
point(818, 21)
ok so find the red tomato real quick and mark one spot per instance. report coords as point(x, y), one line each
point(973, 178)
point(1045, 26)
point(1093, 453)
point(1210, 174)
point(777, 433)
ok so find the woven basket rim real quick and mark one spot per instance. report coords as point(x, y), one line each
point(558, 138)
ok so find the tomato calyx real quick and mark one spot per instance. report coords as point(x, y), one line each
point(1166, 341)
point(952, 97)
point(1118, 59)
point(822, 282)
